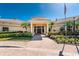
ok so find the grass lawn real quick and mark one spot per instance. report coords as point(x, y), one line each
point(16, 38)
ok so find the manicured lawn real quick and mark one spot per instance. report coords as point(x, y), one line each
point(2, 39)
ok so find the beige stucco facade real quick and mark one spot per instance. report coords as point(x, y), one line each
point(11, 25)
point(37, 25)
point(61, 23)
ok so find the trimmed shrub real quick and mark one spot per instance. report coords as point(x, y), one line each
point(11, 32)
point(58, 40)
point(28, 34)
point(63, 39)
point(52, 33)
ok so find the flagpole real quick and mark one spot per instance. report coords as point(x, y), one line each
point(61, 52)
point(65, 18)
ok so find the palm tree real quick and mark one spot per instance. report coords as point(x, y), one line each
point(25, 25)
point(77, 24)
point(50, 26)
point(69, 24)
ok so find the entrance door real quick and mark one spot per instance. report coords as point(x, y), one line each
point(39, 29)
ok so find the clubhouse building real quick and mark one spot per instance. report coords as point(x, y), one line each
point(37, 25)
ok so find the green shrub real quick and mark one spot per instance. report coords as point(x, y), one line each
point(58, 40)
point(76, 40)
point(9, 32)
point(71, 40)
point(62, 39)
point(28, 34)
point(52, 33)
point(66, 41)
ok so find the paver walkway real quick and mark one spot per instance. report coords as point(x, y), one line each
point(52, 46)
point(44, 47)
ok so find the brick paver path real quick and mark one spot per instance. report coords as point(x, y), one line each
point(44, 47)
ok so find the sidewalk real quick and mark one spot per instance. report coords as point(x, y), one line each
point(44, 47)
point(55, 48)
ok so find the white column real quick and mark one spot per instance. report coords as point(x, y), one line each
point(44, 29)
point(41, 29)
point(65, 28)
point(36, 30)
point(47, 28)
point(72, 28)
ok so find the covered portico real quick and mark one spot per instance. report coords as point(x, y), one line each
point(39, 25)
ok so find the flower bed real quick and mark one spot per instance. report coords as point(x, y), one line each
point(67, 40)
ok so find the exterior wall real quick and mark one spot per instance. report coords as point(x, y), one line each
point(16, 29)
point(13, 28)
point(58, 24)
point(29, 29)
point(16, 25)
point(13, 25)
point(0, 28)
point(56, 27)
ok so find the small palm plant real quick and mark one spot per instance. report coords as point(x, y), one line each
point(50, 26)
point(69, 24)
point(25, 25)
point(77, 24)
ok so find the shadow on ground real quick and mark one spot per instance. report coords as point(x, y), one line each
point(61, 52)
point(10, 47)
point(76, 45)
point(37, 37)
point(77, 48)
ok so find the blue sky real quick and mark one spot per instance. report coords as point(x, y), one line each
point(26, 11)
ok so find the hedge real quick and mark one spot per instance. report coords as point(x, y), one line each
point(70, 32)
point(28, 34)
point(53, 33)
point(6, 32)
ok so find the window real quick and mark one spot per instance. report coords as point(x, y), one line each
point(5, 29)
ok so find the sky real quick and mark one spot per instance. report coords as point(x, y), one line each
point(26, 11)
